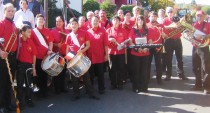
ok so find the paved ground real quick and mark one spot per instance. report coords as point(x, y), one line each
point(172, 97)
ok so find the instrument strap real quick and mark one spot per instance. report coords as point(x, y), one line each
point(40, 37)
point(203, 25)
point(74, 39)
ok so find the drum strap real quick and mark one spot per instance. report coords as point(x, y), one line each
point(74, 39)
point(40, 37)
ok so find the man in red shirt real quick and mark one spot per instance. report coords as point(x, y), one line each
point(104, 22)
point(8, 31)
point(155, 37)
point(82, 24)
point(200, 56)
point(74, 45)
point(59, 46)
point(98, 53)
point(43, 41)
point(173, 44)
point(89, 16)
point(116, 35)
point(27, 59)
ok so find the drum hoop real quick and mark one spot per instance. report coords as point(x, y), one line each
point(73, 58)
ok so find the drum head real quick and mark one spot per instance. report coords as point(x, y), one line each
point(48, 61)
point(74, 60)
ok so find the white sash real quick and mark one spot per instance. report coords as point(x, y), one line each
point(74, 39)
point(40, 37)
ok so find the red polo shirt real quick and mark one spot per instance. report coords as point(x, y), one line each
point(206, 28)
point(127, 27)
point(88, 25)
point(98, 41)
point(103, 23)
point(133, 20)
point(154, 32)
point(42, 50)
point(82, 37)
point(7, 28)
point(27, 51)
point(167, 21)
point(120, 35)
point(133, 36)
point(59, 38)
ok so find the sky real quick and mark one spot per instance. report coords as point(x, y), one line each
point(206, 2)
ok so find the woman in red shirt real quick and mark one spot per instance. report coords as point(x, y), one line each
point(59, 46)
point(140, 55)
point(98, 52)
point(116, 35)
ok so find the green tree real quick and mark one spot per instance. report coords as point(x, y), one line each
point(206, 9)
point(109, 8)
point(90, 5)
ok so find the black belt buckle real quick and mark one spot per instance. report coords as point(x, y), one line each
point(12, 53)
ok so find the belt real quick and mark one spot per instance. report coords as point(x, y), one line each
point(12, 53)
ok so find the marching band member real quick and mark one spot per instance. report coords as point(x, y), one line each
point(98, 53)
point(8, 31)
point(120, 14)
point(140, 56)
point(173, 44)
point(136, 12)
point(116, 35)
point(154, 36)
point(59, 46)
point(27, 59)
point(43, 41)
point(104, 22)
point(127, 25)
point(90, 14)
point(24, 15)
point(74, 42)
point(82, 23)
point(200, 56)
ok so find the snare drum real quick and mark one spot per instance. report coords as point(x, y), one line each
point(53, 64)
point(79, 65)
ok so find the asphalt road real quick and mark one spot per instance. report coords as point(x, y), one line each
point(172, 97)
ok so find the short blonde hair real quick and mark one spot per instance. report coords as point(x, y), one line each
point(8, 5)
point(135, 8)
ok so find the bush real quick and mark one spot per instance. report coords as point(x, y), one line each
point(127, 7)
point(109, 8)
point(90, 5)
point(206, 9)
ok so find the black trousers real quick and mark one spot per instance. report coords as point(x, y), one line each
point(97, 70)
point(117, 70)
point(5, 84)
point(129, 69)
point(201, 65)
point(157, 55)
point(41, 79)
point(140, 65)
point(86, 80)
point(59, 81)
point(171, 46)
point(24, 77)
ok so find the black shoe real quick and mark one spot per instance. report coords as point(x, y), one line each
point(30, 103)
point(94, 97)
point(113, 87)
point(10, 108)
point(101, 91)
point(64, 91)
point(184, 78)
point(3, 110)
point(75, 98)
point(196, 88)
point(120, 87)
point(167, 78)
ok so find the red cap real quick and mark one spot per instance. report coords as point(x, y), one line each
point(200, 12)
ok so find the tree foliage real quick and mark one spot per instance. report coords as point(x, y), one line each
point(206, 9)
point(90, 5)
point(109, 8)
